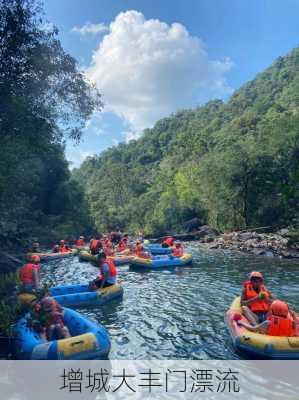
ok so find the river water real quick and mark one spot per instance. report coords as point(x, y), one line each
point(178, 314)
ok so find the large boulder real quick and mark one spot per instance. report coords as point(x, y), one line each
point(247, 235)
point(192, 225)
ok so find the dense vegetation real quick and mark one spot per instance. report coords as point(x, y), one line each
point(233, 165)
point(44, 99)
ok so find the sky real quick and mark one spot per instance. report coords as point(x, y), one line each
point(150, 58)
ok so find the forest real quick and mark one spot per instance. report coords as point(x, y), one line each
point(44, 100)
point(233, 165)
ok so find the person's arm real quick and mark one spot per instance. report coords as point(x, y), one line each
point(35, 274)
point(294, 316)
point(261, 328)
point(245, 302)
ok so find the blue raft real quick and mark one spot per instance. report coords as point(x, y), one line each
point(89, 340)
point(81, 295)
point(161, 262)
point(156, 249)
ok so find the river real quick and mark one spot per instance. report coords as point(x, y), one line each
point(178, 314)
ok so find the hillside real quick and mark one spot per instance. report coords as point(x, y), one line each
point(233, 165)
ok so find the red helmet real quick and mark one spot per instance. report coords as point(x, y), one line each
point(280, 308)
point(35, 258)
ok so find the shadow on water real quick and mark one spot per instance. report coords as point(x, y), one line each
point(178, 314)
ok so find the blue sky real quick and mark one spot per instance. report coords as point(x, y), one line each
point(152, 57)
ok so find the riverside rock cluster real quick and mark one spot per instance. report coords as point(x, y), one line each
point(271, 244)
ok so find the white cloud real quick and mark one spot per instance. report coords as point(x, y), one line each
point(84, 154)
point(89, 28)
point(99, 131)
point(147, 69)
point(130, 135)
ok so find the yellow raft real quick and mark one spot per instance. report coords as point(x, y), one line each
point(258, 344)
point(118, 259)
point(52, 256)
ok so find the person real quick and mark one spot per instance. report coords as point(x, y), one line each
point(30, 275)
point(256, 298)
point(63, 248)
point(80, 242)
point(35, 248)
point(108, 250)
point(178, 250)
point(115, 237)
point(123, 244)
point(56, 248)
point(139, 251)
point(107, 272)
point(280, 321)
point(49, 319)
point(95, 245)
point(168, 242)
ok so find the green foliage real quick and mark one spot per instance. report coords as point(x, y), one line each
point(9, 308)
point(44, 99)
point(233, 165)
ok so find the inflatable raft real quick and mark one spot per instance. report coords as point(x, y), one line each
point(52, 256)
point(161, 262)
point(157, 249)
point(80, 248)
point(89, 340)
point(118, 260)
point(261, 345)
point(81, 295)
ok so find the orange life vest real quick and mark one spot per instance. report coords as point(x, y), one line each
point(112, 269)
point(80, 242)
point(281, 326)
point(93, 244)
point(258, 305)
point(63, 249)
point(178, 251)
point(141, 253)
point(26, 273)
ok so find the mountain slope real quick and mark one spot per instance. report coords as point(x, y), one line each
point(233, 165)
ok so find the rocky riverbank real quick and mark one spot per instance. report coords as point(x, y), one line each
point(279, 244)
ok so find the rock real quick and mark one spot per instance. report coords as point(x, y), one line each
point(204, 231)
point(246, 235)
point(209, 239)
point(227, 236)
point(213, 246)
point(192, 224)
point(285, 254)
point(250, 243)
point(258, 252)
point(283, 232)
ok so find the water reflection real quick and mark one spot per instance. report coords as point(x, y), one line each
point(178, 314)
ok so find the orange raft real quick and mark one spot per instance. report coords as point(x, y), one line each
point(258, 344)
